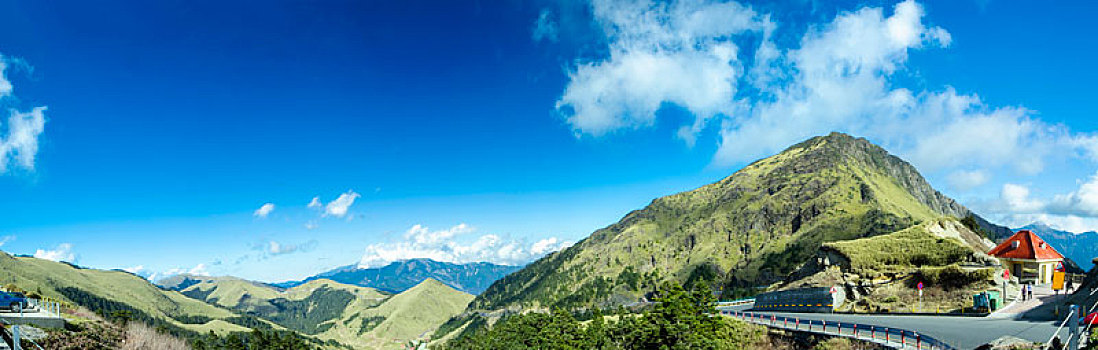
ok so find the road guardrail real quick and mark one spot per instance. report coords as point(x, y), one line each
point(887, 336)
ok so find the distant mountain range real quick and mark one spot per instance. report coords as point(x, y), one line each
point(472, 278)
point(1081, 248)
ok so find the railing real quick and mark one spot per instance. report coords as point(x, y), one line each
point(49, 307)
point(887, 336)
point(13, 339)
point(736, 302)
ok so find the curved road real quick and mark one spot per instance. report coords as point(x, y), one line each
point(958, 331)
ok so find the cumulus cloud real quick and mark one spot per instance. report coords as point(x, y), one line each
point(338, 207)
point(451, 245)
point(1075, 211)
point(198, 270)
point(840, 76)
point(19, 145)
point(677, 53)
point(264, 210)
point(63, 252)
point(545, 28)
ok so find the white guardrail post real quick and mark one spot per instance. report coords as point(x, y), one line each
point(15, 338)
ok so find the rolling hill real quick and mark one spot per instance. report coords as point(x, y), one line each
point(117, 291)
point(752, 228)
point(398, 276)
point(360, 317)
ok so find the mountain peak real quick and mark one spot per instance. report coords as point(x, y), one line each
point(751, 228)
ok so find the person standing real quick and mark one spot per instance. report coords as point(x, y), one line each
point(1029, 291)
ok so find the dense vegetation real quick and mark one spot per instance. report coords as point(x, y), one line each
point(679, 319)
point(308, 315)
point(256, 340)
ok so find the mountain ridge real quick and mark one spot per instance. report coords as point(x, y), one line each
point(750, 228)
point(397, 276)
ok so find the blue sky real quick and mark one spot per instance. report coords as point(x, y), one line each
point(501, 130)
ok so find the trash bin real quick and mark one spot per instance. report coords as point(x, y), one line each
point(994, 304)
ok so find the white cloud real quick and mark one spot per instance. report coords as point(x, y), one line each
point(1081, 202)
point(1075, 211)
point(447, 245)
point(274, 248)
point(4, 240)
point(659, 53)
point(199, 270)
point(545, 28)
point(1017, 200)
point(338, 207)
point(20, 144)
point(63, 252)
point(548, 245)
point(840, 77)
point(137, 270)
point(310, 225)
point(965, 179)
point(264, 210)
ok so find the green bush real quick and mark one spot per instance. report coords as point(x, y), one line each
point(952, 276)
point(679, 319)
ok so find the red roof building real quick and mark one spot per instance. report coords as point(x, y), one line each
point(1028, 257)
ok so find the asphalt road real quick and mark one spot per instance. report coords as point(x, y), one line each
point(959, 332)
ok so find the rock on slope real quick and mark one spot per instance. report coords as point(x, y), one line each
point(751, 228)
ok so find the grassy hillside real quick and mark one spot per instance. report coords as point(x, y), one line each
point(356, 316)
point(751, 228)
point(880, 273)
point(115, 291)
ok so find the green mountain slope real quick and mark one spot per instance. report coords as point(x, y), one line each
point(110, 291)
point(360, 317)
point(881, 272)
point(751, 228)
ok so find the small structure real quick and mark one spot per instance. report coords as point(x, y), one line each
point(818, 299)
point(1028, 256)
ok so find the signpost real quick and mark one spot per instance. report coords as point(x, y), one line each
point(1006, 278)
point(920, 286)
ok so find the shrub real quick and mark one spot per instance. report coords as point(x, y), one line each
point(141, 337)
point(952, 276)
